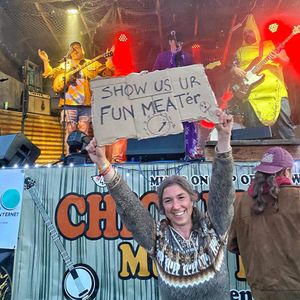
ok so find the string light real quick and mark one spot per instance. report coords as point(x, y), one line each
point(128, 170)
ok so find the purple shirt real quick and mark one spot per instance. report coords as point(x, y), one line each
point(167, 59)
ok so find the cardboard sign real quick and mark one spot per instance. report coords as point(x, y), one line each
point(149, 105)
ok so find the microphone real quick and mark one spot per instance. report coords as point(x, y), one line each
point(66, 56)
point(173, 33)
point(178, 43)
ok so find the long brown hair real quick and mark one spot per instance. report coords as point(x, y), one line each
point(265, 191)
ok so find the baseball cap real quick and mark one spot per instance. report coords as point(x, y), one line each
point(274, 160)
point(75, 43)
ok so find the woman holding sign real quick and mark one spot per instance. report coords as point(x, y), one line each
point(187, 246)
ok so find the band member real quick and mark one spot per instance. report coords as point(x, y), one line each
point(266, 102)
point(77, 99)
point(175, 56)
point(172, 58)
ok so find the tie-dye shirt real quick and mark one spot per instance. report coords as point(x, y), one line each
point(75, 92)
point(79, 91)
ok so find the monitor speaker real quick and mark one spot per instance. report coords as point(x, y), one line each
point(16, 149)
point(169, 147)
point(252, 133)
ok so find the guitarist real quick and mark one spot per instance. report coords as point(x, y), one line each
point(266, 102)
point(77, 101)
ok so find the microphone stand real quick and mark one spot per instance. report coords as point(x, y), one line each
point(63, 157)
point(24, 98)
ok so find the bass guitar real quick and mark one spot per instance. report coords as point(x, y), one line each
point(80, 280)
point(252, 77)
point(59, 81)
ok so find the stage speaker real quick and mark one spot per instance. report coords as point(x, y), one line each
point(252, 133)
point(17, 149)
point(169, 147)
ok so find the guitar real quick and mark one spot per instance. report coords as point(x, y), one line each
point(80, 280)
point(59, 80)
point(252, 77)
point(212, 65)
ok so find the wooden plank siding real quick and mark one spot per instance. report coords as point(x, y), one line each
point(42, 130)
point(253, 150)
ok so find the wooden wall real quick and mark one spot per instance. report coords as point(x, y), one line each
point(253, 150)
point(42, 130)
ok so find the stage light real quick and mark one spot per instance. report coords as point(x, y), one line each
point(276, 30)
point(273, 27)
point(123, 58)
point(72, 11)
point(72, 25)
point(123, 38)
point(77, 142)
point(195, 46)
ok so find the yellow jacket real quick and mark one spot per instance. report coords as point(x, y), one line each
point(265, 98)
point(88, 73)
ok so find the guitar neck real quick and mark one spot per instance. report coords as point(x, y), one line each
point(87, 63)
point(259, 66)
point(53, 231)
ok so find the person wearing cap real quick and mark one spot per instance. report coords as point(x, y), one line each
point(77, 99)
point(172, 58)
point(187, 246)
point(265, 229)
point(266, 103)
point(175, 56)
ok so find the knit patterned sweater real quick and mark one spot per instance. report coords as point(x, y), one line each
point(187, 269)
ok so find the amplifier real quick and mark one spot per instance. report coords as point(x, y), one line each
point(38, 103)
point(252, 133)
